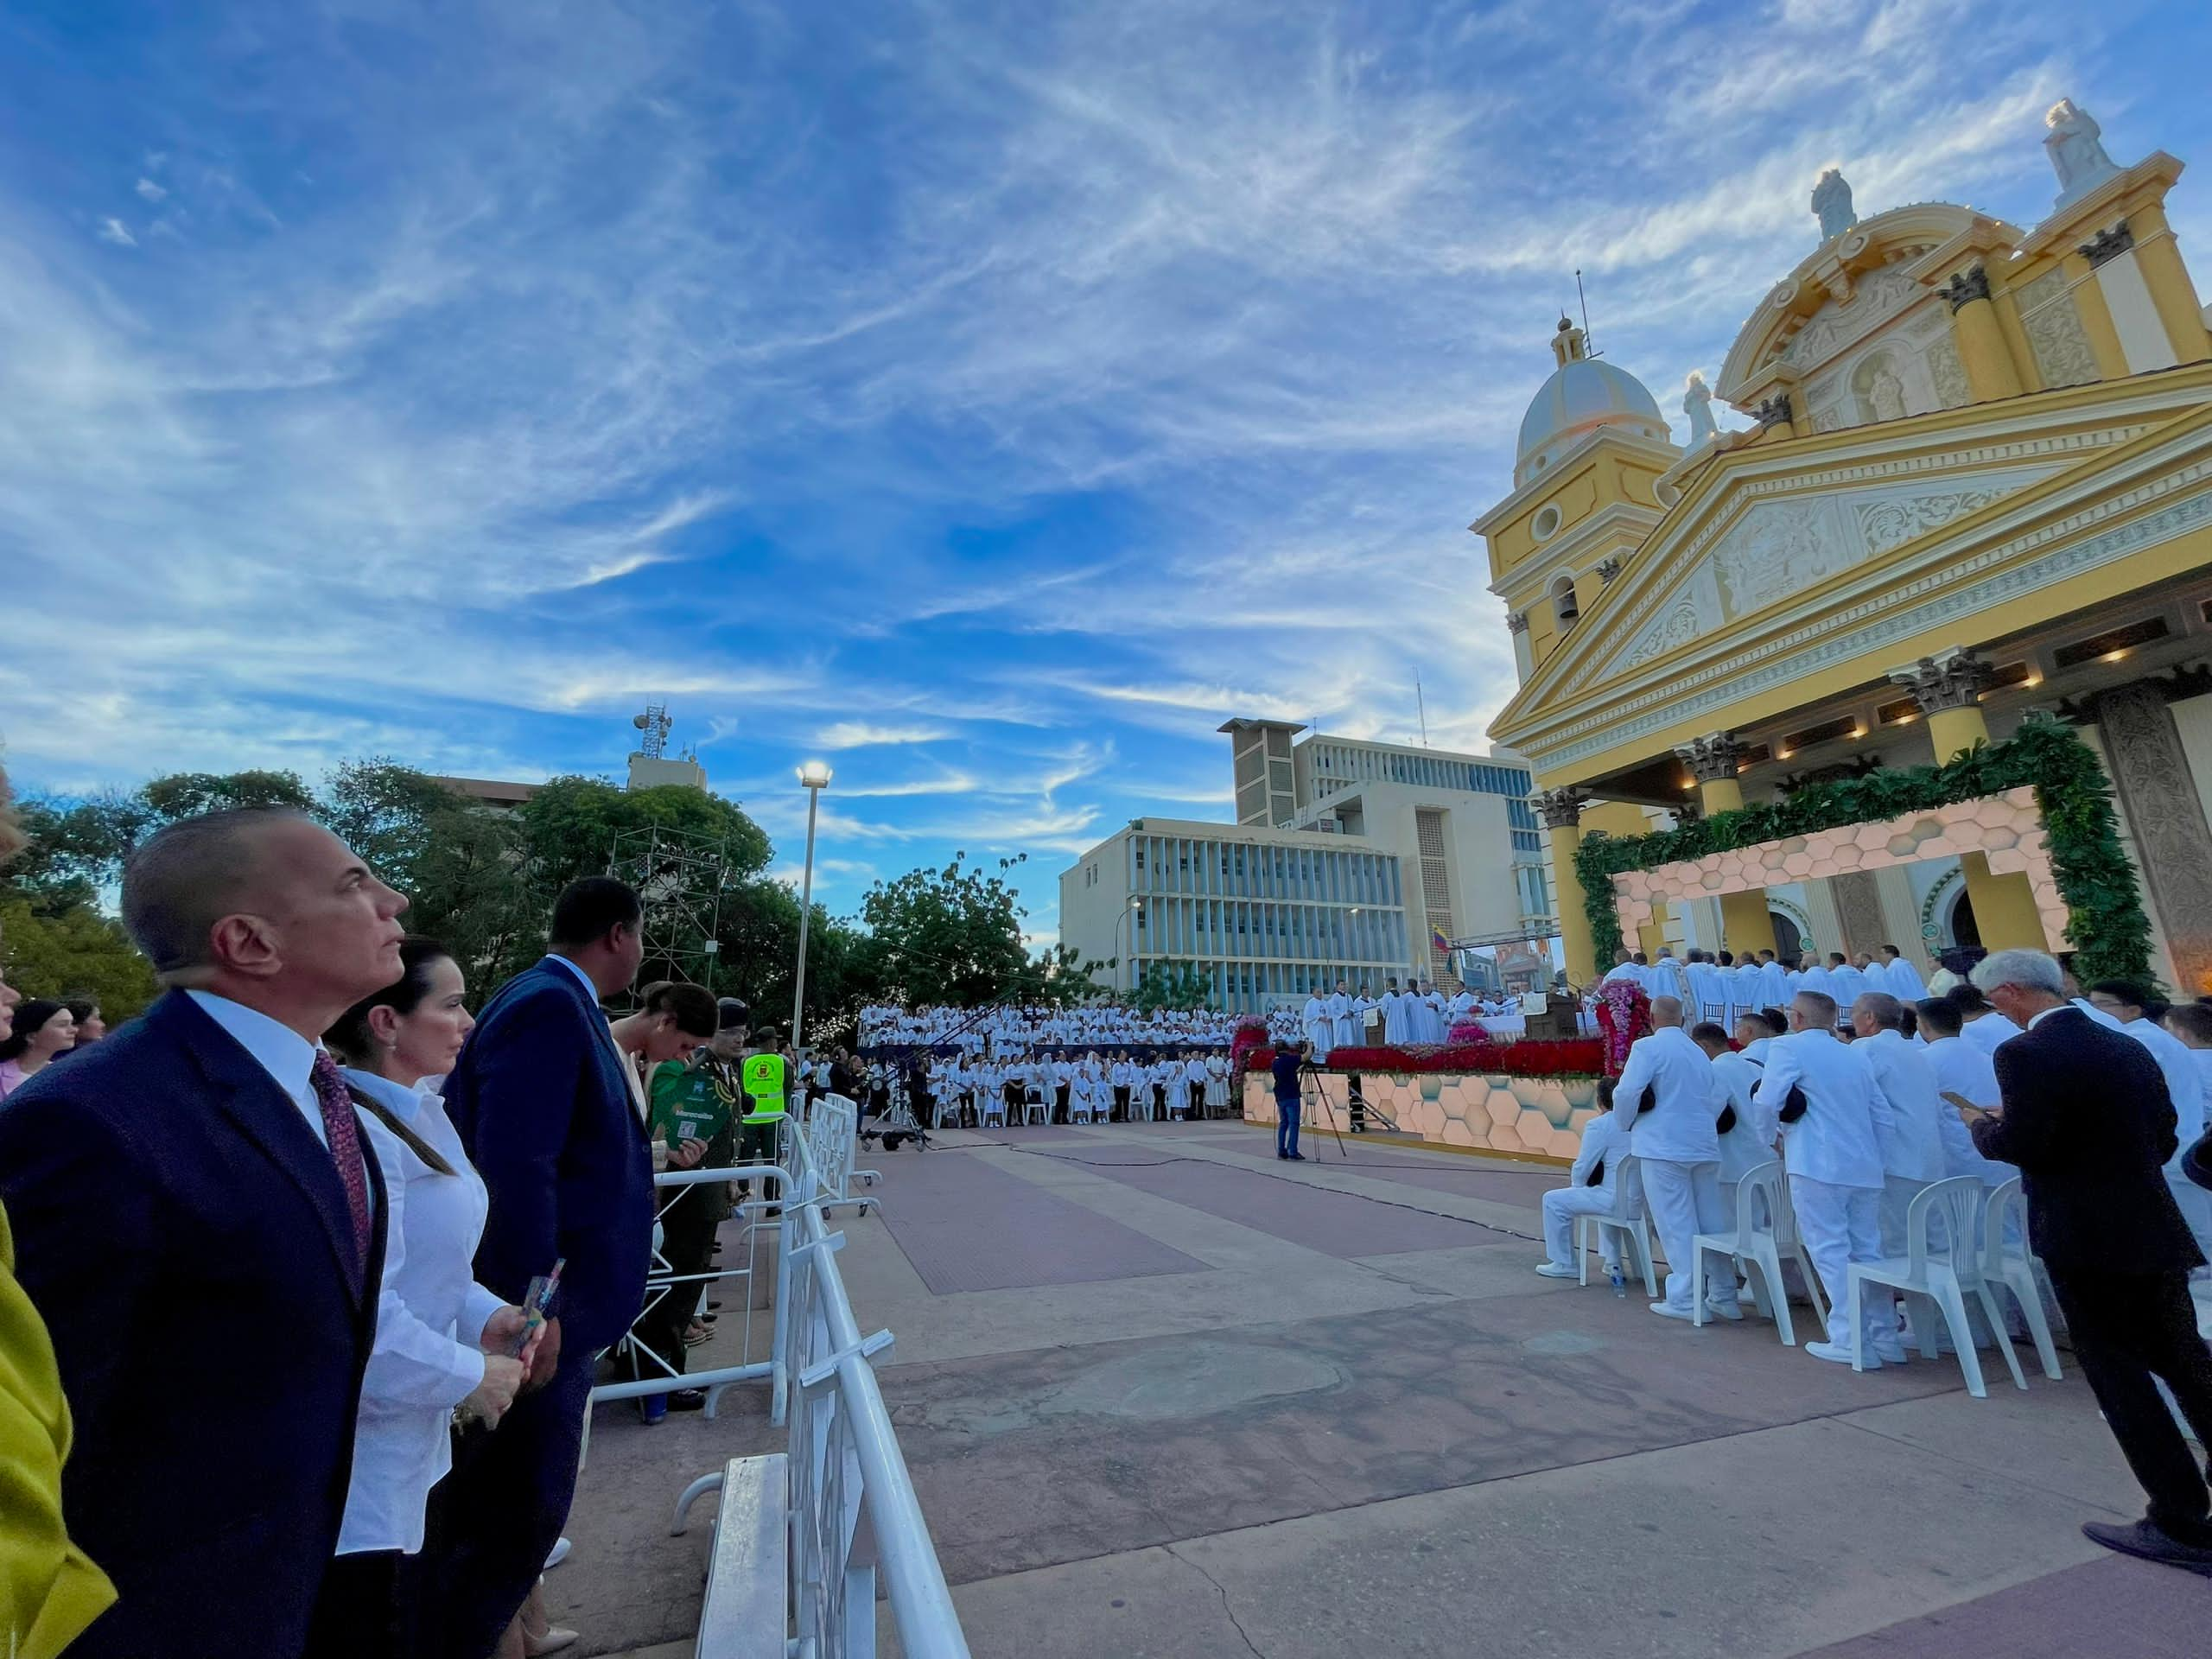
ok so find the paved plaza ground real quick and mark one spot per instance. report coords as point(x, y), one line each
point(1164, 1396)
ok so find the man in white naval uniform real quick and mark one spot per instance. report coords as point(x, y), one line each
point(1911, 1132)
point(1834, 1158)
point(1583, 1196)
point(1667, 1100)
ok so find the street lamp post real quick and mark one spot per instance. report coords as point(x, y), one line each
point(1134, 904)
point(814, 776)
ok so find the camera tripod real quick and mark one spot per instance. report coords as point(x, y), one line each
point(1311, 1075)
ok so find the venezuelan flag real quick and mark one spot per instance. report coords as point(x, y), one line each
point(1437, 941)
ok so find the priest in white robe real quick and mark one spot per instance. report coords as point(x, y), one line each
point(1344, 1030)
point(1396, 1015)
point(1899, 977)
point(1320, 1032)
point(1774, 983)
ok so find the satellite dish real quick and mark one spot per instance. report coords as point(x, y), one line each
point(639, 721)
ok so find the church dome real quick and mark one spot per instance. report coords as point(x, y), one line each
point(1582, 395)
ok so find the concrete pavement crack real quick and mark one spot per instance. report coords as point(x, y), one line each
point(1218, 1590)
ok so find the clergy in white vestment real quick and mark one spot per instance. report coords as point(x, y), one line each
point(1432, 1015)
point(1774, 982)
point(1320, 1030)
point(1461, 1007)
point(1589, 1191)
point(1665, 978)
point(1833, 1159)
point(1624, 969)
point(1899, 977)
point(1708, 993)
point(1846, 983)
point(1667, 1100)
point(1366, 1018)
point(1396, 1015)
point(1750, 990)
point(1344, 1033)
point(1813, 977)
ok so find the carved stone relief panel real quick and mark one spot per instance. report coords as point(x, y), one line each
point(1859, 907)
point(1780, 548)
point(1839, 324)
point(1946, 373)
point(2165, 815)
point(2054, 333)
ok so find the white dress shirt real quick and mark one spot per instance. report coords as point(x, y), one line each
point(430, 1314)
point(1989, 1033)
point(1673, 1072)
point(1834, 1141)
point(287, 1057)
point(1911, 1130)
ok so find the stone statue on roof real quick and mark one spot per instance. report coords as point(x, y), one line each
point(2075, 146)
point(1697, 403)
point(1832, 202)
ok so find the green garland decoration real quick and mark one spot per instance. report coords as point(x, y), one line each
point(2105, 920)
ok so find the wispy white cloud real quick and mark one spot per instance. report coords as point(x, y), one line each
point(149, 191)
point(860, 734)
point(114, 229)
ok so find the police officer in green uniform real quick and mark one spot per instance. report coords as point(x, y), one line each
point(695, 1104)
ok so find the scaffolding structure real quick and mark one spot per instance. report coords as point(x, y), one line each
point(680, 876)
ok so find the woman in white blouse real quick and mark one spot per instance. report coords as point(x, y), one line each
point(446, 1348)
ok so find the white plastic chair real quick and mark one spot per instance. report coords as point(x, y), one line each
point(1628, 1219)
point(1033, 1108)
point(1942, 1276)
point(1766, 1234)
point(2013, 1265)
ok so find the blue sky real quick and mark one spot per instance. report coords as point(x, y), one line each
point(992, 397)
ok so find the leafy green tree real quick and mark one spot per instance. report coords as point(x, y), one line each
point(1172, 985)
point(76, 951)
point(572, 824)
point(951, 935)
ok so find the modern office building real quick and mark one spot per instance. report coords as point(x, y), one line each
point(1348, 860)
point(1265, 914)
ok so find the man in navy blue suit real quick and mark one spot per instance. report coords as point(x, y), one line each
point(196, 1222)
point(550, 1119)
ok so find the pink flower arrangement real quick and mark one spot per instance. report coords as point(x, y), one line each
point(1583, 1056)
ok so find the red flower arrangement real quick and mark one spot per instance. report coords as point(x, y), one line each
point(1583, 1056)
point(1251, 1038)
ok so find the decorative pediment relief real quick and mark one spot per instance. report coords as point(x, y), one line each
point(1775, 549)
point(1841, 324)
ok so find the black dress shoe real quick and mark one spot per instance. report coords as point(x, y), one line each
point(2151, 1543)
point(688, 1400)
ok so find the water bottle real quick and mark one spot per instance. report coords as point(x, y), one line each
point(1620, 1284)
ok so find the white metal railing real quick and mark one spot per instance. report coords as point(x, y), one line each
point(844, 1461)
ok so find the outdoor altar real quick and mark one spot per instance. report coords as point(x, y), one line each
point(1525, 1099)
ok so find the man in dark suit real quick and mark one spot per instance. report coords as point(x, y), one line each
point(196, 1221)
point(2087, 1119)
point(551, 1121)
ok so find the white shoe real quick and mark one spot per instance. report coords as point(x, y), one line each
point(1839, 1354)
point(560, 1554)
point(1727, 1311)
point(1890, 1354)
point(1669, 1311)
point(1553, 1270)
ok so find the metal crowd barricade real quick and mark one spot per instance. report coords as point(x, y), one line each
point(649, 1373)
point(844, 1462)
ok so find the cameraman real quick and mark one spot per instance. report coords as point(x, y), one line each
point(1289, 1055)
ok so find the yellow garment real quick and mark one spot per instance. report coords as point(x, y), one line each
point(49, 1591)
point(763, 1079)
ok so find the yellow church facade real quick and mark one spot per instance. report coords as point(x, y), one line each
point(1977, 484)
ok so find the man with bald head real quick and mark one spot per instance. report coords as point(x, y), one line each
point(197, 1221)
point(1667, 1103)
